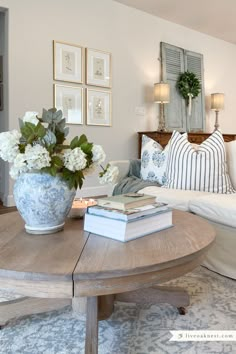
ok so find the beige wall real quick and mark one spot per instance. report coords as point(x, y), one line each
point(133, 38)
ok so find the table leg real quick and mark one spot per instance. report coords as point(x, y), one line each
point(91, 341)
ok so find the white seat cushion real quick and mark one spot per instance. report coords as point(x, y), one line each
point(175, 198)
point(219, 208)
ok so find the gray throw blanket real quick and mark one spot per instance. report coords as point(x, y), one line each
point(133, 182)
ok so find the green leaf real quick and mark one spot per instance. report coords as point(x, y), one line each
point(66, 131)
point(82, 140)
point(31, 138)
point(57, 116)
point(61, 125)
point(41, 131)
point(50, 138)
point(60, 137)
point(53, 171)
point(87, 148)
point(46, 116)
point(60, 147)
point(74, 179)
point(22, 148)
point(57, 161)
point(27, 129)
point(74, 143)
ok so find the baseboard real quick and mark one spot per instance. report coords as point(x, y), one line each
point(7, 200)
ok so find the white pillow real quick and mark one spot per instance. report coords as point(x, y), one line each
point(231, 161)
point(203, 169)
point(153, 161)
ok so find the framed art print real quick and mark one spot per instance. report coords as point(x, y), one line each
point(98, 68)
point(98, 107)
point(69, 99)
point(67, 62)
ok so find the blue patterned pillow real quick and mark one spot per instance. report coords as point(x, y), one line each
point(153, 161)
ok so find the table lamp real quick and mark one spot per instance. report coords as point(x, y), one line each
point(217, 104)
point(162, 96)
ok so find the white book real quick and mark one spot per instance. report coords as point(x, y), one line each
point(128, 214)
point(125, 231)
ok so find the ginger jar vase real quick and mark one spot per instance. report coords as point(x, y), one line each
point(43, 201)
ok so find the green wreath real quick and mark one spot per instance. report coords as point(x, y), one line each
point(188, 84)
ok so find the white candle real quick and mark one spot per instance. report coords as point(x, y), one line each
point(79, 207)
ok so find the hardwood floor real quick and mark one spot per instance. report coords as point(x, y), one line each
point(4, 210)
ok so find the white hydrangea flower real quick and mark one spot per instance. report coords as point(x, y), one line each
point(99, 155)
point(37, 157)
point(19, 166)
point(9, 142)
point(110, 176)
point(31, 117)
point(75, 160)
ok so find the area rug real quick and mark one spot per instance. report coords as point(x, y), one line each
point(133, 329)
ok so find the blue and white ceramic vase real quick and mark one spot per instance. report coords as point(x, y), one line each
point(43, 202)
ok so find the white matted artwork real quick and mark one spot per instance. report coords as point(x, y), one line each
point(67, 62)
point(70, 100)
point(98, 68)
point(98, 107)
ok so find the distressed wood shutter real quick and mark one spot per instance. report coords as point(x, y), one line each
point(194, 63)
point(176, 60)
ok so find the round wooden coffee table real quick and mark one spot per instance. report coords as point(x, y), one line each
point(72, 264)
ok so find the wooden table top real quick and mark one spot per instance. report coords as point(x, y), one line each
point(74, 255)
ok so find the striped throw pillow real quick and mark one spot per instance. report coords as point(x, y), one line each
point(202, 169)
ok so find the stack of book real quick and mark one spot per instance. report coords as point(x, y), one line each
point(127, 216)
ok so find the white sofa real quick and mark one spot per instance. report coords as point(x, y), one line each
point(218, 209)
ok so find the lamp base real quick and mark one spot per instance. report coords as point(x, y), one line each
point(162, 125)
point(217, 125)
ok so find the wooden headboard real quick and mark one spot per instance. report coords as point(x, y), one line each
point(163, 138)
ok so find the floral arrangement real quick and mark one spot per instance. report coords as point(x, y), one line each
point(41, 146)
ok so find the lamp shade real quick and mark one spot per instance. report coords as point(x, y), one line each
point(161, 92)
point(217, 101)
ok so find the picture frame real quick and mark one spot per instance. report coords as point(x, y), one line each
point(1, 68)
point(69, 99)
point(98, 68)
point(67, 62)
point(1, 97)
point(99, 110)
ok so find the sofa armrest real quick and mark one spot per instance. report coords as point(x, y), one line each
point(123, 166)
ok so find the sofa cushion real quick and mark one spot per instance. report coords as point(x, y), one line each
point(175, 198)
point(219, 208)
point(153, 161)
point(201, 169)
point(231, 161)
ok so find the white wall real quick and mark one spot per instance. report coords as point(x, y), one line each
point(133, 38)
point(4, 168)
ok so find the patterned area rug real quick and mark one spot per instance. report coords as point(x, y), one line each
point(133, 329)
